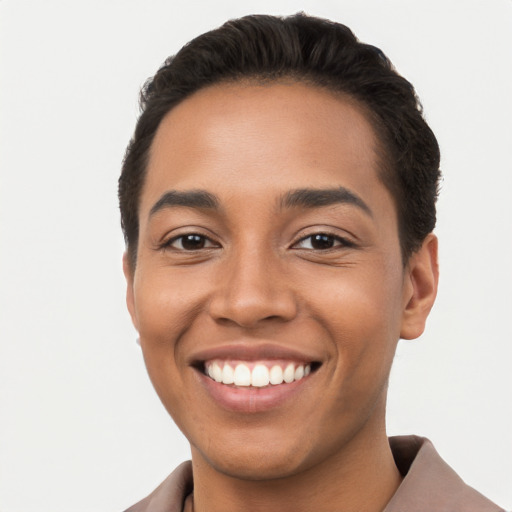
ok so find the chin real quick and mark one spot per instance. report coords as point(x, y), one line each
point(270, 455)
point(257, 466)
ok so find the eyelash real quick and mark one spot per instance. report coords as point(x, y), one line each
point(336, 241)
point(169, 244)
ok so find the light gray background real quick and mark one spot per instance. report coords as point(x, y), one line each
point(80, 426)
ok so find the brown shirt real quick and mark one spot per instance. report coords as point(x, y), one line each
point(429, 484)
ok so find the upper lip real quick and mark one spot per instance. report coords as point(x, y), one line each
point(251, 351)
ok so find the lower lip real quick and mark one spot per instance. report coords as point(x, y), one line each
point(249, 399)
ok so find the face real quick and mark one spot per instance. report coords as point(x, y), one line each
point(269, 291)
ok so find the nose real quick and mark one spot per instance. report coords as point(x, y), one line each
point(253, 289)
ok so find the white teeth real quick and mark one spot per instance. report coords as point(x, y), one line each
point(242, 376)
point(289, 373)
point(216, 372)
point(228, 375)
point(276, 375)
point(260, 376)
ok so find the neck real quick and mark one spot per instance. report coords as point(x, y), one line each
point(362, 476)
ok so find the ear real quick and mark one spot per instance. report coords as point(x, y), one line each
point(420, 288)
point(130, 298)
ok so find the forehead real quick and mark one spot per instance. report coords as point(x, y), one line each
point(251, 139)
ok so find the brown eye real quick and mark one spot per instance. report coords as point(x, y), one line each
point(322, 242)
point(190, 242)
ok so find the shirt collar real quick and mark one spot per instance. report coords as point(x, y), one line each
point(429, 482)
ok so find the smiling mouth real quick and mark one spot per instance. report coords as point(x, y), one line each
point(257, 374)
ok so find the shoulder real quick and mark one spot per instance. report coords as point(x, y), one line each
point(430, 483)
point(170, 494)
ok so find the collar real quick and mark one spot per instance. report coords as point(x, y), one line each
point(429, 482)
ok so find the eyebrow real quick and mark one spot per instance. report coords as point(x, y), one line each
point(303, 197)
point(188, 199)
point(317, 198)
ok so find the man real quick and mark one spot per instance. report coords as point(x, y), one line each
point(278, 201)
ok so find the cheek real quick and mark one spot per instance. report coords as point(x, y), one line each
point(169, 304)
point(164, 304)
point(358, 300)
point(362, 314)
point(162, 317)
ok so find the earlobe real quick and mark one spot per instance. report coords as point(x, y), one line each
point(130, 298)
point(422, 277)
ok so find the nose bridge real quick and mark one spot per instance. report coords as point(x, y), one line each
point(252, 288)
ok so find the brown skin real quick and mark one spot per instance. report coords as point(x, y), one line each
point(260, 280)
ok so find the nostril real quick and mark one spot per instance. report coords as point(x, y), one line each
point(249, 289)
point(246, 309)
point(273, 317)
